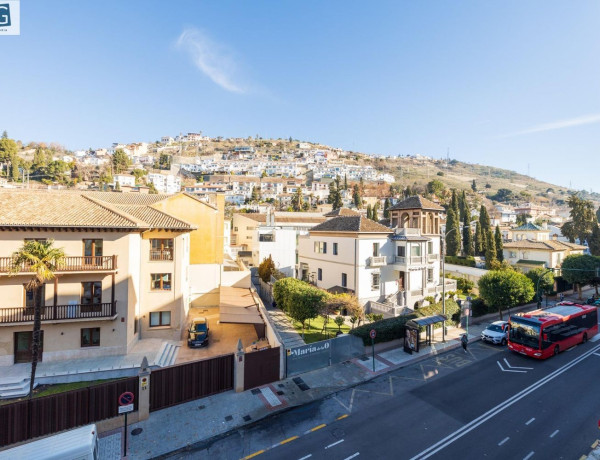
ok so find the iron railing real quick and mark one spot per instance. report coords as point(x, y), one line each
point(67, 264)
point(59, 312)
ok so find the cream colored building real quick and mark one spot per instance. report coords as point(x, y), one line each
point(125, 275)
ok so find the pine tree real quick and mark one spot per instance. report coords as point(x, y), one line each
point(467, 238)
point(452, 234)
point(386, 209)
point(335, 197)
point(499, 245)
point(369, 212)
point(478, 240)
point(490, 250)
point(484, 221)
point(474, 185)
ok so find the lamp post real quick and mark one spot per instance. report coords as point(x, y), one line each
point(443, 242)
point(537, 288)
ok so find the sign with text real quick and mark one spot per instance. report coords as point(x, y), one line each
point(126, 409)
point(10, 17)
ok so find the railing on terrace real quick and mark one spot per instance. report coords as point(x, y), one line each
point(409, 260)
point(157, 254)
point(376, 261)
point(59, 312)
point(68, 264)
point(432, 257)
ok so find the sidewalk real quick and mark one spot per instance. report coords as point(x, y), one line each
point(198, 421)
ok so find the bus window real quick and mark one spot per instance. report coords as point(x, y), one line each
point(524, 333)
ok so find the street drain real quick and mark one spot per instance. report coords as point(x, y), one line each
point(136, 431)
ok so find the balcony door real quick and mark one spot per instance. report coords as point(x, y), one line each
point(91, 296)
point(24, 344)
point(92, 252)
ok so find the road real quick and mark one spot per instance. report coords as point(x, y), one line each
point(487, 403)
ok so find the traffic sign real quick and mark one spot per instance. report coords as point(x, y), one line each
point(125, 409)
point(373, 333)
point(126, 398)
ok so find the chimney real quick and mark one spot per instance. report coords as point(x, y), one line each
point(555, 236)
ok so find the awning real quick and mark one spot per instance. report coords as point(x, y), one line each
point(237, 305)
point(426, 320)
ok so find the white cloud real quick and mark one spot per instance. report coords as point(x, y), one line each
point(213, 59)
point(578, 121)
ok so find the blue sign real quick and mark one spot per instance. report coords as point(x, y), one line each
point(4, 15)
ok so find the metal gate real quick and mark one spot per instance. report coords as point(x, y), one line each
point(261, 367)
point(322, 354)
point(184, 382)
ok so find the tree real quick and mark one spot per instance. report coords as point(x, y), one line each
point(490, 250)
point(474, 185)
point(484, 220)
point(42, 259)
point(8, 149)
point(339, 321)
point(255, 195)
point(544, 277)
point(4, 135)
point(465, 211)
point(375, 212)
point(582, 219)
point(505, 288)
point(504, 195)
point(334, 197)
point(345, 181)
point(478, 240)
point(580, 269)
point(306, 303)
point(297, 200)
point(435, 187)
point(120, 161)
point(467, 237)
point(594, 240)
point(454, 203)
point(452, 234)
point(522, 219)
point(369, 212)
point(152, 189)
point(386, 209)
point(499, 244)
point(266, 268)
point(356, 197)
point(138, 174)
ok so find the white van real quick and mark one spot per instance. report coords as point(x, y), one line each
point(78, 444)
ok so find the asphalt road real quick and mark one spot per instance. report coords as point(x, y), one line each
point(487, 403)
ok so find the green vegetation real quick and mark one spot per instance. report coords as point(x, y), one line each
point(457, 260)
point(316, 329)
point(502, 289)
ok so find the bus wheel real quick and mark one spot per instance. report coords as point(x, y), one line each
point(556, 350)
point(584, 337)
point(503, 343)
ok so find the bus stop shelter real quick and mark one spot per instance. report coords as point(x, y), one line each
point(412, 331)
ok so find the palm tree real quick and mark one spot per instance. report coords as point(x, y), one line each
point(41, 258)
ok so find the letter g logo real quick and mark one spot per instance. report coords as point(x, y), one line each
point(4, 15)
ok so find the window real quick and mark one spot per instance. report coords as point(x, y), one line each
point(430, 247)
point(235, 229)
point(375, 249)
point(90, 337)
point(160, 282)
point(92, 248)
point(161, 249)
point(335, 249)
point(91, 296)
point(160, 318)
point(415, 250)
point(344, 280)
point(429, 275)
point(513, 254)
point(249, 228)
point(375, 277)
point(320, 247)
point(401, 251)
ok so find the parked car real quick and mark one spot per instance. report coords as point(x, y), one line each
point(198, 333)
point(496, 333)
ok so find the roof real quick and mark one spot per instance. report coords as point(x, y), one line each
point(417, 202)
point(426, 320)
point(254, 216)
point(546, 245)
point(400, 237)
point(341, 212)
point(73, 209)
point(238, 305)
point(531, 227)
point(351, 224)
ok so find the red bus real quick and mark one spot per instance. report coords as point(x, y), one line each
point(543, 333)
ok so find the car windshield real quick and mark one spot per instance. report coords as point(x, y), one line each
point(524, 332)
point(494, 328)
point(199, 327)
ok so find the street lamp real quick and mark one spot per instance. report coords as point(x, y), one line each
point(442, 236)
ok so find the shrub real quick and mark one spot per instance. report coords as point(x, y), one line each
point(458, 260)
point(479, 307)
point(430, 299)
point(282, 290)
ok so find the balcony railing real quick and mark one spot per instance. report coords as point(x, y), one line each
point(412, 260)
point(59, 312)
point(68, 264)
point(157, 254)
point(376, 261)
point(432, 257)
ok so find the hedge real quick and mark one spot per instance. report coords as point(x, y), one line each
point(393, 328)
point(457, 260)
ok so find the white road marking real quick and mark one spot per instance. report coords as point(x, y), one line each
point(517, 367)
point(305, 457)
point(352, 456)
point(595, 338)
point(529, 455)
point(530, 420)
point(452, 437)
point(508, 370)
point(597, 354)
point(334, 444)
point(554, 434)
point(503, 441)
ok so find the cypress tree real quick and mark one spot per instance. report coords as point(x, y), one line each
point(386, 209)
point(594, 241)
point(464, 207)
point(454, 202)
point(375, 212)
point(478, 241)
point(452, 234)
point(499, 245)
point(345, 181)
point(484, 220)
point(490, 250)
point(369, 212)
point(467, 238)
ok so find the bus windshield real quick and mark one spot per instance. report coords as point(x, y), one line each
point(524, 332)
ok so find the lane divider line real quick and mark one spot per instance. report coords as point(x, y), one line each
point(530, 420)
point(305, 457)
point(318, 427)
point(529, 455)
point(285, 441)
point(554, 434)
point(503, 441)
point(258, 452)
point(342, 416)
point(352, 456)
point(334, 444)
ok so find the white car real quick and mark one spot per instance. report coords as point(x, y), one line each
point(496, 333)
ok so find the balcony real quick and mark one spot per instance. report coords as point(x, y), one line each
point(160, 255)
point(376, 261)
point(412, 260)
point(432, 257)
point(59, 313)
point(69, 264)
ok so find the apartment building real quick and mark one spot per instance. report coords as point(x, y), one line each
point(165, 183)
point(124, 276)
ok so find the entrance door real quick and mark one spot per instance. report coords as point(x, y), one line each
point(23, 346)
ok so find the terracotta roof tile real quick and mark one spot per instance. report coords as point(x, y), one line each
point(417, 202)
point(546, 245)
point(341, 212)
point(351, 224)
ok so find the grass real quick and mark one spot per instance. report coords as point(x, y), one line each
point(47, 390)
point(312, 331)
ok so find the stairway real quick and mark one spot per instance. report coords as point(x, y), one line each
point(15, 389)
point(167, 354)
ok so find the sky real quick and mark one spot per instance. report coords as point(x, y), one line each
point(504, 83)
